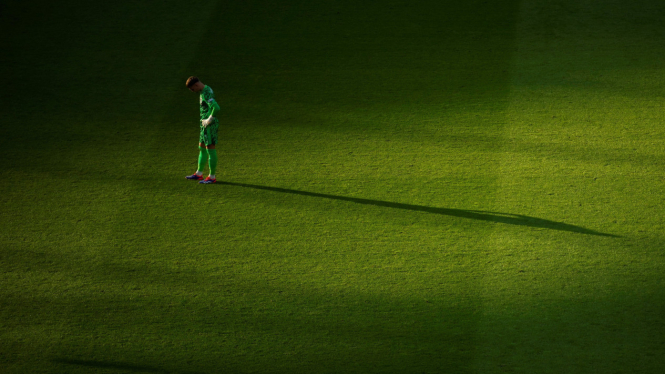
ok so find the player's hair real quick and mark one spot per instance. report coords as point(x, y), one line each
point(192, 81)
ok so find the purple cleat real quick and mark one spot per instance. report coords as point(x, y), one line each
point(195, 177)
point(208, 181)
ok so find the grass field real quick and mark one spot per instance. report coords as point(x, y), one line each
point(403, 187)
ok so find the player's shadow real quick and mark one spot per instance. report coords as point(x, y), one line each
point(507, 218)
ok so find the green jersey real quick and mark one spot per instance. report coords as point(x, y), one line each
point(207, 103)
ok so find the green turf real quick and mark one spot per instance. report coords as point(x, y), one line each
point(405, 187)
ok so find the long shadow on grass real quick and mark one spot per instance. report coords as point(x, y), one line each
point(498, 217)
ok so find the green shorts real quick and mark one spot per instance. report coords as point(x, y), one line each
point(208, 135)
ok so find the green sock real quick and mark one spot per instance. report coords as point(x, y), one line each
point(213, 160)
point(203, 158)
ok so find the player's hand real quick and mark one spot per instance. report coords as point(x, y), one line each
point(207, 121)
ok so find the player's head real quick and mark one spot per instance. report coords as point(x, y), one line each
point(194, 84)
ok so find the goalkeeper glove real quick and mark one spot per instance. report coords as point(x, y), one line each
point(208, 121)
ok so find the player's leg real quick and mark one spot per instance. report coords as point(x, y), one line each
point(211, 137)
point(212, 152)
point(203, 160)
point(203, 156)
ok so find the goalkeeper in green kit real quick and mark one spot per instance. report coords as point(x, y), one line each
point(209, 127)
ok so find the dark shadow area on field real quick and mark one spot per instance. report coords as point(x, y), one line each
point(121, 366)
point(437, 327)
point(212, 322)
point(497, 217)
point(271, 319)
point(342, 66)
point(351, 333)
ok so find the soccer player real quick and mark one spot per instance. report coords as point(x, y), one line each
point(209, 127)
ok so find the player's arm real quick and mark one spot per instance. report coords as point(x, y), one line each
point(215, 109)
